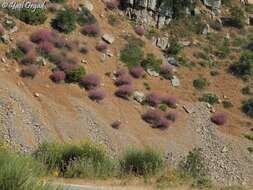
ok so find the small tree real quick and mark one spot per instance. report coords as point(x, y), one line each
point(247, 107)
point(30, 16)
point(65, 20)
point(75, 74)
point(238, 17)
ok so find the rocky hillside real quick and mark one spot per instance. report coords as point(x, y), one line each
point(132, 73)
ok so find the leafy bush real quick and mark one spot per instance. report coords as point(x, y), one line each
point(194, 165)
point(57, 1)
point(58, 76)
point(42, 35)
point(123, 80)
point(16, 54)
point(137, 72)
point(227, 104)
point(243, 68)
point(113, 20)
point(151, 62)
point(102, 46)
point(153, 99)
point(20, 173)
point(238, 17)
point(140, 30)
point(65, 20)
point(1, 30)
point(75, 74)
point(124, 91)
point(84, 160)
point(219, 119)
point(247, 90)
point(132, 54)
point(163, 123)
point(120, 72)
point(166, 70)
point(97, 94)
point(85, 17)
point(247, 107)
point(29, 71)
point(90, 81)
point(152, 116)
point(112, 4)
point(83, 50)
point(25, 46)
point(174, 48)
point(30, 16)
point(92, 30)
point(210, 98)
point(147, 162)
point(200, 83)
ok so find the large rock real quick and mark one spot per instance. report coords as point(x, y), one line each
point(108, 38)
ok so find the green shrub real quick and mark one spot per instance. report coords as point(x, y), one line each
point(16, 54)
point(194, 165)
point(210, 98)
point(227, 104)
point(214, 73)
point(244, 67)
point(132, 53)
point(57, 1)
point(174, 48)
point(146, 85)
point(84, 160)
point(75, 74)
point(224, 50)
point(247, 91)
point(202, 183)
point(238, 17)
point(200, 83)
point(113, 20)
point(247, 107)
point(151, 62)
point(85, 17)
point(20, 173)
point(65, 20)
point(142, 162)
point(249, 137)
point(250, 149)
point(30, 16)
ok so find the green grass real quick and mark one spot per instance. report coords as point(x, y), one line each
point(210, 98)
point(20, 172)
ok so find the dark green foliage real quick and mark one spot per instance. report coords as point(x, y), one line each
point(16, 54)
point(247, 107)
point(75, 74)
point(244, 67)
point(65, 20)
point(57, 1)
point(84, 160)
point(147, 162)
point(210, 98)
point(238, 17)
point(174, 48)
point(249, 137)
point(132, 53)
point(250, 149)
point(214, 73)
point(227, 104)
point(194, 165)
point(200, 83)
point(113, 20)
point(85, 17)
point(247, 91)
point(30, 16)
point(151, 62)
point(224, 50)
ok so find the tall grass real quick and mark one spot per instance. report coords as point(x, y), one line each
point(19, 172)
point(84, 160)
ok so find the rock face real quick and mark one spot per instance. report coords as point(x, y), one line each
point(147, 11)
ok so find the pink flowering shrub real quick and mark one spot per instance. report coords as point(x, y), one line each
point(29, 58)
point(137, 72)
point(171, 115)
point(90, 29)
point(1, 30)
point(169, 101)
point(140, 30)
point(219, 119)
point(45, 47)
point(29, 71)
point(166, 69)
point(123, 80)
point(163, 123)
point(58, 76)
point(102, 46)
point(120, 72)
point(112, 4)
point(124, 91)
point(153, 99)
point(25, 46)
point(152, 116)
point(64, 66)
point(97, 94)
point(42, 35)
point(90, 81)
